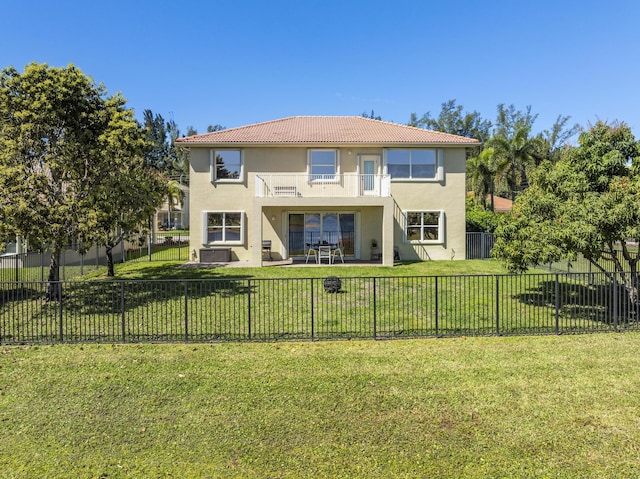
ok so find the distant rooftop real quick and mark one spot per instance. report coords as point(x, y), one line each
point(327, 130)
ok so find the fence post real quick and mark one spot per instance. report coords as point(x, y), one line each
point(557, 302)
point(375, 312)
point(186, 313)
point(122, 313)
point(249, 309)
point(497, 304)
point(437, 306)
point(60, 309)
point(615, 302)
point(313, 307)
point(483, 245)
point(17, 272)
point(149, 246)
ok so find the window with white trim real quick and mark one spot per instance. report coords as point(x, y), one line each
point(223, 227)
point(424, 226)
point(226, 165)
point(418, 164)
point(323, 165)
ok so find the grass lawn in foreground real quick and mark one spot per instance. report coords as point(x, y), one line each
point(557, 406)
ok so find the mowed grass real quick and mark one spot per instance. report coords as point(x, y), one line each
point(557, 406)
point(180, 270)
point(173, 301)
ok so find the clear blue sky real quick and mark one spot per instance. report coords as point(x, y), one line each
point(241, 62)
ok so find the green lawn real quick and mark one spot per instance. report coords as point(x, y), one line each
point(177, 269)
point(170, 302)
point(553, 406)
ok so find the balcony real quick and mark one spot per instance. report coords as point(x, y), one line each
point(350, 185)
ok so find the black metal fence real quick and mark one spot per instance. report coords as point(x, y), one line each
point(164, 246)
point(479, 245)
point(34, 266)
point(279, 309)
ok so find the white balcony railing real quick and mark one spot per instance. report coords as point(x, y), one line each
point(282, 185)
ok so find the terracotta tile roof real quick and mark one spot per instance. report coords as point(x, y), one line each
point(327, 130)
point(501, 204)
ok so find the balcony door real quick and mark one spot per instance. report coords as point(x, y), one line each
point(369, 167)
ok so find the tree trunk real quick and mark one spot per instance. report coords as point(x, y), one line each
point(54, 288)
point(109, 252)
point(493, 201)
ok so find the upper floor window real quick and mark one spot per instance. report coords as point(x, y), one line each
point(413, 164)
point(323, 164)
point(226, 165)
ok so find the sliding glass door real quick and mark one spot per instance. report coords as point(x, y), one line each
point(310, 228)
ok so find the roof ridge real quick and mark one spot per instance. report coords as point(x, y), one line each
point(327, 129)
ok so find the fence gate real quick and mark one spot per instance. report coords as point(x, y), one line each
point(479, 245)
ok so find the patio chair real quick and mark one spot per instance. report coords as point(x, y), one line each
point(311, 251)
point(266, 248)
point(337, 251)
point(324, 251)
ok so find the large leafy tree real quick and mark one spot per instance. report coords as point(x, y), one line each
point(62, 139)
point(453, 119)
point(587, 203)
point(371, 116)
point(556, 139)
point(131, 189)
point(158, 152)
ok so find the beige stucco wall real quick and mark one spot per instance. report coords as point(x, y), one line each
point(368, 224)
point(448, 195)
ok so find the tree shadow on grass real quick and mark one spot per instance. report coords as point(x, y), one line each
point(173, 271)
point(109, 297)
point(579, 300)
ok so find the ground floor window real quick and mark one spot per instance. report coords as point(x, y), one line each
point(424, 226)
point(310, 228)
point(223, 227)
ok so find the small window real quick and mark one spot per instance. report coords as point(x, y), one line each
point(323, 165)
point(424, 226)
point(226, 165)
point(412, 164)
point(223, 227)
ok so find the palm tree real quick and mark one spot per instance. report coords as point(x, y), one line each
point(175, 195)
point(484, 172)
point(521, 152)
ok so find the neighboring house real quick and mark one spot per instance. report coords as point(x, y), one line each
point(351, 180)
point(174, 216)
point(18, 246)
point(501, 205)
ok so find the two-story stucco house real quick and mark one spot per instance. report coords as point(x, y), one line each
point(348, 180)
